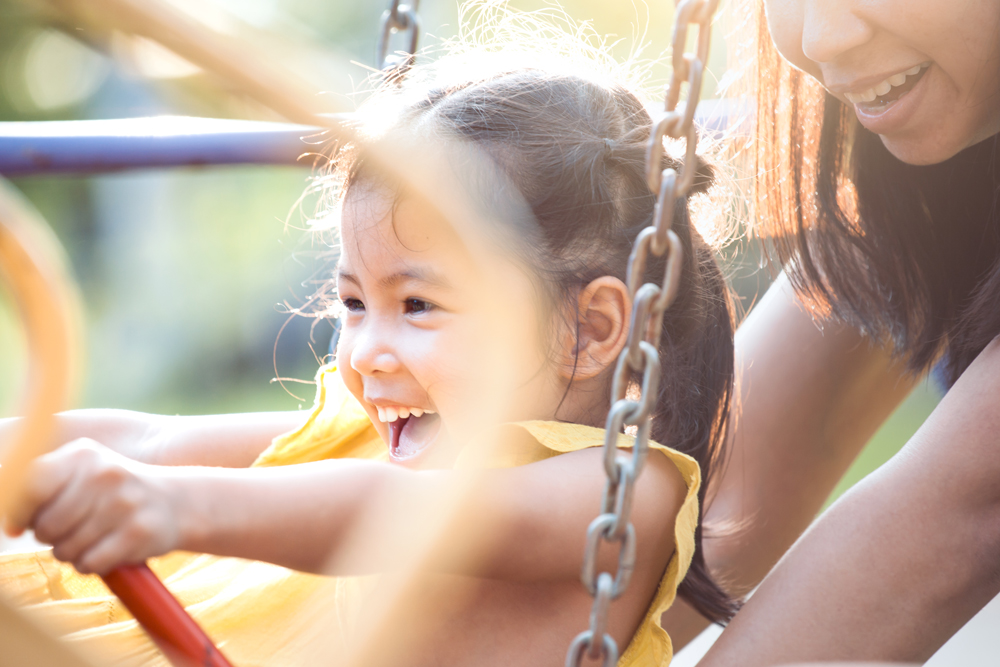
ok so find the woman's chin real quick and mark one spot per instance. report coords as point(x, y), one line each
point(920, 151)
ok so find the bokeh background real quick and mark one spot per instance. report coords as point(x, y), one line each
point(188, 274)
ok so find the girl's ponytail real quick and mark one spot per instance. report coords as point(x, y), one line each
point(692, 411)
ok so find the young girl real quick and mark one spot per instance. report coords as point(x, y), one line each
point(485, 343)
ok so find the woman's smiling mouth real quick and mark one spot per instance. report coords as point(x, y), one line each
point(889, 90)
point(886, 107)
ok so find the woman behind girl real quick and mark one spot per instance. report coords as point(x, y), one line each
point(876, 155)
point(557, 159)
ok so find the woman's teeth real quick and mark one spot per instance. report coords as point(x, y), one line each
point(388, 415)
point(884, 87)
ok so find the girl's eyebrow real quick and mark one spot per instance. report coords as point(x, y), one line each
point(421, 275)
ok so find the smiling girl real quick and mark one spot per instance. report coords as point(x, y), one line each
point(456, 333)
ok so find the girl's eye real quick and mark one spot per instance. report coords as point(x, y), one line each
point(417, 306)
point(353, 305)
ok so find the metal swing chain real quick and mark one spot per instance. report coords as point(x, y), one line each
point(640, 354)
point(398, 18)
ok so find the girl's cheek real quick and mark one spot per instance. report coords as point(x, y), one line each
point(351, 378)
point(442, 364)
point(432, 357)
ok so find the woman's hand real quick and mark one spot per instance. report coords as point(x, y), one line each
point(98, 508)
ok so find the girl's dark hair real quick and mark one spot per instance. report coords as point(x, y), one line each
point(575, 150)
point(908, 254)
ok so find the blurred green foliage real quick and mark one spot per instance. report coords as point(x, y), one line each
point(184, 275)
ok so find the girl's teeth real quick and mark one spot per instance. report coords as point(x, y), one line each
point(913, 70)
point(392, 414)
point(883, 88)
point(897, 79)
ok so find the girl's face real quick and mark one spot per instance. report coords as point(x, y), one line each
point(922, 74)
point(437, 341)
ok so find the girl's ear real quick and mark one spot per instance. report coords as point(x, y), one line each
point(603, 312)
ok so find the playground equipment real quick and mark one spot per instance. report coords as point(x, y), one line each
point(95, 146)
point(33, 267)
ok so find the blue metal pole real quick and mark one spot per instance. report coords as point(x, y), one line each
point(97, 146)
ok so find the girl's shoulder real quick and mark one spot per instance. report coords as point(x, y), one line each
point(527, 442)
point(530, 441)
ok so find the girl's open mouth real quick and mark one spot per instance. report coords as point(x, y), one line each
point(410, 436)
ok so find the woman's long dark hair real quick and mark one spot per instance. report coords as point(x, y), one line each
point(909, 254)
point(575, 151)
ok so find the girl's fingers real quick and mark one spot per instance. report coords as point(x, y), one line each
point(63, 515)
point(46, 478)
point(108, 514)
point(95, 507)
point(117, 530)
point(114, 549)
point(94, 528)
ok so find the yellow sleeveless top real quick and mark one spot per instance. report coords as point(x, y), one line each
point(265, 615)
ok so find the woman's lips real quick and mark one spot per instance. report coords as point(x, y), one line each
point(888, 115)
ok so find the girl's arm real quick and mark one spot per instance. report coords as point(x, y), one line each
point(809, 400)
point(901, 561)
point(231, 441)
point(528, 523)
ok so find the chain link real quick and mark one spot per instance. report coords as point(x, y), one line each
point(398, 18)
point(650, 301)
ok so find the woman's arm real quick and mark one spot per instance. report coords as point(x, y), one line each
point(230, 441)
point(903, 560)
point(810, 397)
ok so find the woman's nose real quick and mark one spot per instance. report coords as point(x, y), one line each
point(371, 352)
point(831, 28)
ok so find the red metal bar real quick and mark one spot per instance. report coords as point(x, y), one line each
point(177, 634)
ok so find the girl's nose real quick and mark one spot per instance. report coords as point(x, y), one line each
point(831, 28)
point(371, 352)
